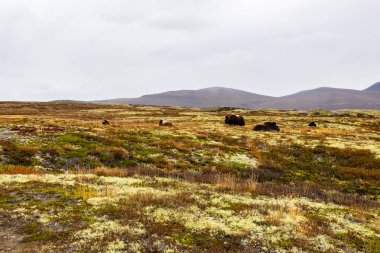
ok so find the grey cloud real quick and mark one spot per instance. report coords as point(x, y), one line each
point(181, 24)
point(95, 49)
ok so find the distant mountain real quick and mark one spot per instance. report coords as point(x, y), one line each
point(327, 98)
point(67, 101)
point(375, 87)
point(323, 98)
point(214, 96)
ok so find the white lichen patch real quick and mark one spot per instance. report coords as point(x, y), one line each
point(199, 209)
point(100, 230)
point(120, 181)
point(238, 159)
point(117, 246)
point(357, 143)
point(243, 159)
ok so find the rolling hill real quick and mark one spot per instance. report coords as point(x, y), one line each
point(214, 96)
point(327, 98)
point(324, 98)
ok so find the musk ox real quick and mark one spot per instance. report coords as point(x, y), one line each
point(235, 120)
point(259, 128)
point(271, 125)
point(267, 126)
point(165, 123)
point(105, 122)
point(312, 124)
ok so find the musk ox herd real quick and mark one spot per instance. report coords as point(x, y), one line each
point(233, 120)
point(238, 120)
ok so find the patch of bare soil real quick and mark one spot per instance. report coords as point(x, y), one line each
point(10, 241)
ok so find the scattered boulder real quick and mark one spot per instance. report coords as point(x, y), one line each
point(235, 120)
point(165, 123)
point(267, 126)
point(312, 124)
point(105, 122)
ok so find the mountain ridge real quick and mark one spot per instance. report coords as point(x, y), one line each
point(374, 87)
point(322, 97)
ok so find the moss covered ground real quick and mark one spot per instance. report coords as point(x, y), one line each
point(70, 184)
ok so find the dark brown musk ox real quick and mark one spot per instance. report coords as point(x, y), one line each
point(235, 120)
point(312, 124)
point(267, 126)
point(165, 123)
point(105, 122)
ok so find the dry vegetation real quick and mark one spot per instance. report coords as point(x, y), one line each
point(70, 184)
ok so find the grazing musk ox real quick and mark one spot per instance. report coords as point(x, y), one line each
point(105, 122)
point(312, 124)
point(235, 120)
point(267, 126)
point(165, 123)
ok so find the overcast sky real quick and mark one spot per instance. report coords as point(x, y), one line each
point(97, 49)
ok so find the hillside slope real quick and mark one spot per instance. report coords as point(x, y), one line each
point(375, 87)
point(214, 96)
point(325, 98)
point(328, 98)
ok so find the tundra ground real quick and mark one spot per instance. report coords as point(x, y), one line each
point(70, 184)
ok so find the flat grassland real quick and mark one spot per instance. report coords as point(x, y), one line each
point(70, 184)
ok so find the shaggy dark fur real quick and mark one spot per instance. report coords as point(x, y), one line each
point(259, 128)
point(165, 123)
point(235, 120)
point(312, 124)
point(268, 126)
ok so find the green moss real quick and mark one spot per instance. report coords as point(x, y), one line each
point(72, 139)
point(20, 155)
point(372, 246)
point(4, 201)
point(285, 244)
point(36, 232)
point(201, 240)
point(327, 166)
point(234, 166)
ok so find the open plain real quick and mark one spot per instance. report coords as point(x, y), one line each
point(68, 183)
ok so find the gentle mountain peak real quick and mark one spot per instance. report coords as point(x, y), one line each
point(217, 88)
point(320, 89)
point(375, 87)
point(322, 97)
point(220, 89)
